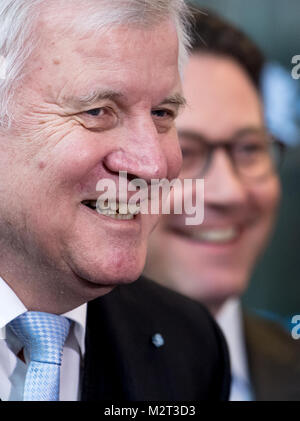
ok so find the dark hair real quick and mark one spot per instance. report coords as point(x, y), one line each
point(213, 35)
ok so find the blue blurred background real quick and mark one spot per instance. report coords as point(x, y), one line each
point(275, 26)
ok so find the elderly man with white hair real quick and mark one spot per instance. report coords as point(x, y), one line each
point(92, 89)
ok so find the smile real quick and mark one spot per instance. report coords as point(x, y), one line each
point(121, 212)
point(213, 235)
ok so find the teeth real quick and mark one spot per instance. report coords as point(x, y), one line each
point(121, 211)
point(113, 214)
point(216, 235)
point(133, 209)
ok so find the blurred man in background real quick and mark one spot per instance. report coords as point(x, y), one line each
point(224, 140)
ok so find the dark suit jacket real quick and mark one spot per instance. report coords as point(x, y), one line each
point(122, 363)
point(274, 360)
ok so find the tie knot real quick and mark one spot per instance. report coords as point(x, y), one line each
point(42, 334)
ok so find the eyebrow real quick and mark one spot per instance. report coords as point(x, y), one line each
point(99, 95)
point(92, 98)
point(175, 99)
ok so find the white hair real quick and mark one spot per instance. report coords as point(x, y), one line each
point(18, 19)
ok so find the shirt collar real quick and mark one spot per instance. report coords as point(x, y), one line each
point(78, 315)
point(229, 319)
point(11, 307)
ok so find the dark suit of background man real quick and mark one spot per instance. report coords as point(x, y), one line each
point(92, 88)
point(224, 140)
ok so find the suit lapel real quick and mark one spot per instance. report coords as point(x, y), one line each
point(273, 360)
point(121, 361)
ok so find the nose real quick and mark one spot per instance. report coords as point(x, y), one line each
point(223, 186)
point(140, 152)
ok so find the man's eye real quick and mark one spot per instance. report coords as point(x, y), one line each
point(162, 113)
point(251, 148)
point(101, 118)
point(95, 112)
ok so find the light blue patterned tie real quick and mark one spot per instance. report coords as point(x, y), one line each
point(43, 336)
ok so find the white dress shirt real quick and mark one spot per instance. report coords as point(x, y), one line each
point(13, 370)
point(229, 319)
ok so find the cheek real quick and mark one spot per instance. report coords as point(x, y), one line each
point(266, 196)
point(78, 153)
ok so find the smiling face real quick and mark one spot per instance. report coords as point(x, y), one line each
point(213, 261)
point(90, 107)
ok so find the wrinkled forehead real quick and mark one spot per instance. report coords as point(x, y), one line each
point(75, 25)
point(121, 55)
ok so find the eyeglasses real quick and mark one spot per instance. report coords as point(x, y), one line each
point(254, 154)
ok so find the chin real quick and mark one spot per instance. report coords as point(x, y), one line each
point(228, 287)
point(112, 269)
